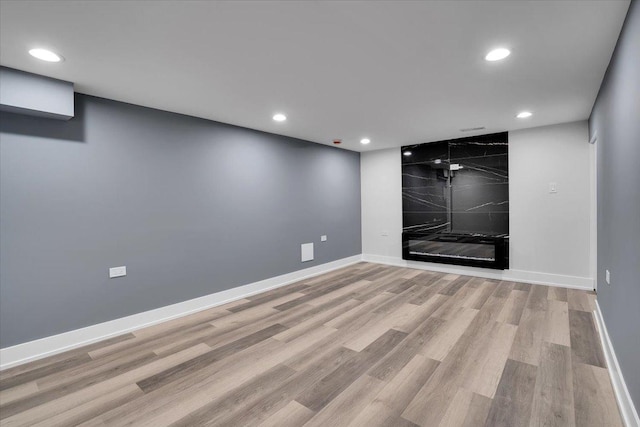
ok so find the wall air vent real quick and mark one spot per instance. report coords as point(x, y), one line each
point(472, 129)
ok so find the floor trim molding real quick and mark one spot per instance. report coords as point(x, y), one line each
point(625, 404)
point(48, 346)
point(533, 277)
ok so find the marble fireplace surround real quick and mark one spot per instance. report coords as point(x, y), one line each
point(457, 190)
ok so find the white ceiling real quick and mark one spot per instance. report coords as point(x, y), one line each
point(396, 72)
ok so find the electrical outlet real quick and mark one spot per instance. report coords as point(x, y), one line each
point(607, 277)
point(323, 238)
point(117, 272)
point(384, 233)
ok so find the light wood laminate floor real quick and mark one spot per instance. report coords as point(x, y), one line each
point(366, 345)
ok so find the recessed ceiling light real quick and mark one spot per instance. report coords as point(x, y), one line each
point(407, 153)
point(365, 141)
point(497, 54)
point(437, 161)
point(45, 55)
point(524, 114)
point(279, 117)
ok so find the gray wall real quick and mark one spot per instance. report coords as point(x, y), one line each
point(615, 121)
point(190, 206)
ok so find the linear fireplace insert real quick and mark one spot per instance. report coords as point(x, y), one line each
point(461, 249)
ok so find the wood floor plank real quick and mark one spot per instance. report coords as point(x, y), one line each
point(308, 357)
point(260, 299)
point(511, 406)
point(397, 393)
point(18, 392)
point(538, 297)
point(513, 307)
point(351, 289)
point(63, 359)
point(519, 286)
point(374, 289)
point(366, 344)
point(178, 325)
point(553, 394)
point(480, 295)
point(294, 316)
point(450, 307)
point(457, 284)
point(527, 343)
point(446, 337)
point(178, 399)
point(351, 316)
point(105, 364)
point(173, 373)
point(431, 402)
point(457, 409)
point(585, 344)
point(394, 320)
point(467, 409)
point(25, 377)
point(579, 300)
point(396, 422)
point(557, 323)
point(292, 415)
point(310, 296)
point(426, 278)
point(75, 383)
point(72, 400)
point(92, 408)
point(399, 285)
point(428, 292)
point(313, 322)
point(410, 273)
point(398, 300)
point(503, 288)
point(491, 309)
point(148, 341)
point(186, 341)
point(391, 364)
point(210, 414)
point(347, 405)
point(422, 312)
point(334, 383)
point(253, 314)
point(557, 294)
point(490, 360)
point(261, 409)
point(595, 403)
point(478, 411)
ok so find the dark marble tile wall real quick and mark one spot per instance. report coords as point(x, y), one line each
point(477, 200)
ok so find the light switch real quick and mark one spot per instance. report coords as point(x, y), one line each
point(117, 272)
point(323, 238)
point(607, 277)
point(553, 187)
point(306, 250)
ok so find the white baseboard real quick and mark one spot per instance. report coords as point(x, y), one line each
point(536, 278)
point(48, 346)
point(625, 404)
